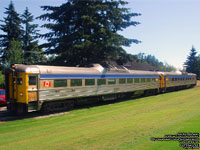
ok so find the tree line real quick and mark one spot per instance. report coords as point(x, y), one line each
point(152, 60)
point(80, 33)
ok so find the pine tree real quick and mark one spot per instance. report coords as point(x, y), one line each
point(84, 32)
point(198, 67)
point(15, 55)
point(32, 53)
point(11, 28)
point(191, 62)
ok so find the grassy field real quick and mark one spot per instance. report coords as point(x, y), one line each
point(119, 126)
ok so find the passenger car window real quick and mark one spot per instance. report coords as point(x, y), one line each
point(101, 81)
point(148, 80)
point(60, 83)
point(89, 82)
point(137, 80)
point(129, 80)
point(76, 82)
point(122, 81)
point(142, 80)
point(111, 81)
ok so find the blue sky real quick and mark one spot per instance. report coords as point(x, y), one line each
point(168, 29)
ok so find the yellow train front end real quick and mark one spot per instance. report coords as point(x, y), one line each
point(17, 90)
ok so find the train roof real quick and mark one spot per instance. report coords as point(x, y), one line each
point(178, 73)
point(95, 69)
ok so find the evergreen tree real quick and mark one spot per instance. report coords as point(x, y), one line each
point(84, 32)
point(12, 30)
point(15, 55)
point(198, 67)
point(32, 53)
point(36, 54)
point(191, 63)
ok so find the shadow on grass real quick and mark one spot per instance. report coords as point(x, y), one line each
point(6, 116)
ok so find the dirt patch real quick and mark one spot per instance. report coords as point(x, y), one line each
point(50, 115)
point(3, 108)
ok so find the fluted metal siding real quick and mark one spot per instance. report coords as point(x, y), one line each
point(65, 93)
point(179, 83)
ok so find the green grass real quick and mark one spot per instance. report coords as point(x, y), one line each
point(121, 126)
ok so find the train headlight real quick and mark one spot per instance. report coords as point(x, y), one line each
point(13, 66)
point(21, 94)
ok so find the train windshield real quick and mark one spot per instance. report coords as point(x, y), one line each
point(32, 80)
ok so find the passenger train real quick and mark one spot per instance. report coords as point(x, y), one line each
point(55, 88)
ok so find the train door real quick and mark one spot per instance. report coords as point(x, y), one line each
point(33, 91)
point(162, 81)
point(21, 89)
point(11, 89)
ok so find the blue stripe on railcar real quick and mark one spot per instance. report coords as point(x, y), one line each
point(179, 76)
point(97, 76)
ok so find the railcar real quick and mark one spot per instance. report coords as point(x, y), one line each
point(178, 80)
point(52, 88)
